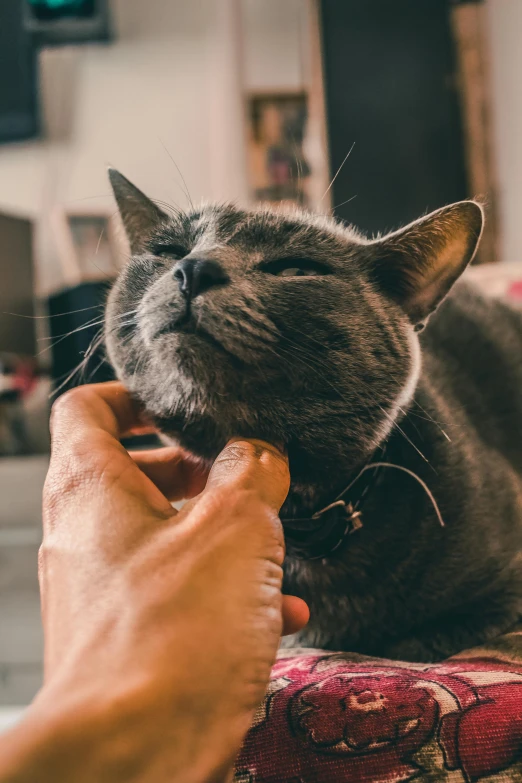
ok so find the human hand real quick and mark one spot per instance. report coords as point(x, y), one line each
point(160, 627)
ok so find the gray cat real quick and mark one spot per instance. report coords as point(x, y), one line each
point(404, 518)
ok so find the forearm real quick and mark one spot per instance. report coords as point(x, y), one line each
point(104, 745)
point(36, 752)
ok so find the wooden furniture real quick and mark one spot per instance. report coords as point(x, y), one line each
point(406, 83)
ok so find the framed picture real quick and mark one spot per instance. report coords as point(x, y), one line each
point(277, 134)
point(89, 245)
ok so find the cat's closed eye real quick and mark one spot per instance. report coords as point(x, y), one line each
point(170, 251)
point(295, 267)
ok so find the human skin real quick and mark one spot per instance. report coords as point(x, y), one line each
point(160, 627)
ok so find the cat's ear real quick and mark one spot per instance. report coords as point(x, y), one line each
point(418, 264)
point(139, 214)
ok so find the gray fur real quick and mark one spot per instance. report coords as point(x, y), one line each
point(329, 365)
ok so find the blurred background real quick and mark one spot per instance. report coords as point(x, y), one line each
point(374, 110)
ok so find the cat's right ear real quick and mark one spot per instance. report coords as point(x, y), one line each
point(417, 265)
point(139, 214)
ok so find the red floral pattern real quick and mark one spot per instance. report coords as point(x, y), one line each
point(328, 719)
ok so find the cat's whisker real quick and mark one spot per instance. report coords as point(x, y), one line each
point(122, 315)
point(123, 325)
point(115, 322)
point(95, 343)
point(406, 437)
point(93, 322)
point(430, 418)
point(337, 173)
point(95, 370)
point(343, 203)
point(187, 193)
point(56, 315)
point(65, 336)
point(175, 209)
point(89, 325)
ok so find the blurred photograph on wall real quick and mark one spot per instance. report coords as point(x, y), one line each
point(90, 234)
point(279, 170)
point(87, 245)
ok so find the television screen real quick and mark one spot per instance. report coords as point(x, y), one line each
point(63, 22)
point(58, 9)
point(18, 76)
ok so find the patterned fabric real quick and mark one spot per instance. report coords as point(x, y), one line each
point(342, 718)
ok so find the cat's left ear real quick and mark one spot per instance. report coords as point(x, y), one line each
point(417, 265)
point(139, 214)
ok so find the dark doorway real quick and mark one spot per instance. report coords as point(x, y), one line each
point(391, 91)
point(17, 333)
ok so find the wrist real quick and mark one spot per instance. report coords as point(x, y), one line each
point(51, 742)
point(39, 749)
point(74, 736)
point(77, 737)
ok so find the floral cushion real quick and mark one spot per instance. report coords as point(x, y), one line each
point(342, 718)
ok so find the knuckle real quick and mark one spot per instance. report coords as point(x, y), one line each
point(252, 450)
point(62, 483)
point(251, 455)
point(65, 406)
point(237, 452)
point(277, 464)
point(65, 401)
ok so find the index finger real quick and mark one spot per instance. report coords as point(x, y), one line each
point(86, 426)
point(99, 409)
point(253, 464)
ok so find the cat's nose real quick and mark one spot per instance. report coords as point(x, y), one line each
point(195, 275)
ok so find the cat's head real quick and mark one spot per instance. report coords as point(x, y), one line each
point(280, 325)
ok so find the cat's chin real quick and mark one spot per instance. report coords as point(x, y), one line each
point(208, 451)
point(303, 498)
point(312, 482)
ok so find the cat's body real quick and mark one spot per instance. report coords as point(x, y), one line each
point(299, 331)
point(406, 587)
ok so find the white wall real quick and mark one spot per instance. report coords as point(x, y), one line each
point(172, 78)
point(504, 26)
point(276, 52)
point(168, 79)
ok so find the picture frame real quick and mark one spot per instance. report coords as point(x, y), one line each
point(277, 139)
point(89, 244)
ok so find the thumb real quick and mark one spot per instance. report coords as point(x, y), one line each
point(252, 464)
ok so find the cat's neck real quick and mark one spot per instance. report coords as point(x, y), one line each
point(349, 476)
point(328, 483)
